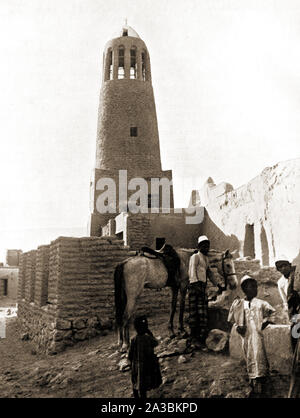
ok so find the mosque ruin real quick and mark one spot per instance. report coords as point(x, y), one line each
point(65, 289)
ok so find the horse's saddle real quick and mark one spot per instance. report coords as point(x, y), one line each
point(170, 259)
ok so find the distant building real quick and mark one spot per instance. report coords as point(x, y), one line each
point(13, 257)
point(9, 274)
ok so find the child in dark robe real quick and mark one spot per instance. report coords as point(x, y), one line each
point(145, 370)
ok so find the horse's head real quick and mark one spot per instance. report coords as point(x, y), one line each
point(228, 270)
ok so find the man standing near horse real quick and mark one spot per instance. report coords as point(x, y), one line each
point(199, 271)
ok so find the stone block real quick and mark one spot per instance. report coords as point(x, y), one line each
point(79, 324)
point(105, 322)
point(63, 324)
point(92, 322)
point(91, 332)
point(277, 340)
point(277, 345)
point(81, 335)
point(217, 340)
point(55, 347)
point(60, 335)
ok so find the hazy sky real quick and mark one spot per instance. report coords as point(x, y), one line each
point(226, 78)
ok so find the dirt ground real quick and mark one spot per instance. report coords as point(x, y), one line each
point(90, 369)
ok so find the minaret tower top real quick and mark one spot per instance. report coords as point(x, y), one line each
point(126, 57)
point(127, 134)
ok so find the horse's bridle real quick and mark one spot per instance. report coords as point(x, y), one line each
point(224, 272)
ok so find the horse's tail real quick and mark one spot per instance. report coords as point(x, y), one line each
point(120, 294)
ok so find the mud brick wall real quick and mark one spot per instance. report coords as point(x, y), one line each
point(21, 277)
point(41, 275)
point(139, 228)
point(85, 276)
point(30, 276)
point(69, 291)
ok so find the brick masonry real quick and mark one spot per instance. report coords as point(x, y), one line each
point(69, 291)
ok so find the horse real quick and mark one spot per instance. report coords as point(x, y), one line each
point(139, 271)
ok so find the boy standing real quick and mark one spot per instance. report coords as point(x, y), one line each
point(250, 316)
point(145, 370)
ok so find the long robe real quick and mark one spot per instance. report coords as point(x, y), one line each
point(252, 315)
point(145, 370)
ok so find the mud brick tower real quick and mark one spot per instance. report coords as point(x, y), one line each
point(127, 135)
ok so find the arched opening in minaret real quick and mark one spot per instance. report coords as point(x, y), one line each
point(144, 66)
point(133, 62)
point(121, 67)
point(109, 68)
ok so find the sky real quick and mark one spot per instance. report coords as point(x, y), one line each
point(226, 79)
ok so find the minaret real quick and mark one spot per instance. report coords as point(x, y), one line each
point(127, 135)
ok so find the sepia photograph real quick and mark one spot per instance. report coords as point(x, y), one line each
point(150, 202)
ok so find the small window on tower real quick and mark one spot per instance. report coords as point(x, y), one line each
point(125, 32)
point(134, 131)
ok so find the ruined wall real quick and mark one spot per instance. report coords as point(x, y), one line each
point(264, 214)
point(66, 291)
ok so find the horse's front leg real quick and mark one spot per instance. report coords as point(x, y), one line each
point(173, 310)
point(130, 309)
point(181, 311)
point(125, 340)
